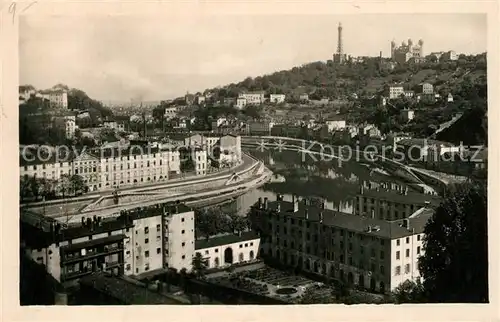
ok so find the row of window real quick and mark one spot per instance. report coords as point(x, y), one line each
point(397, 269)
point(407, 253)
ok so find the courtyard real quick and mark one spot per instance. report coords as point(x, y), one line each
point(275, 283)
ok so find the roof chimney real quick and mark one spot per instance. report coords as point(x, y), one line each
point(361, 189)
point(406, 223)
point(295, 204)
point(321, 217)
point(306, 213)
point(278, 207)
point(259, 203)
point(373, 213)
point(265, 203)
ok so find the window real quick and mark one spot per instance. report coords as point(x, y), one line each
point(158, 250)
point(382, 269)
point(146, 241)
point(183, 244)
point(206, 252)
point(216, 250)
point(418, 237)
point(182, 219)
point(397, 242)
point(251, 244)
point(397, 254)
point(146, 230)
point(183, 231)
point(407, 268)
point(418, 250)
point(158, 227)
point(241, 245)
point(146, 253)
point(407, 240)
point(407, 253)
point(398, 270)
point(128, 267)
point(146, 267)
point(381, 254)
point(246, 245)
point(183, 256)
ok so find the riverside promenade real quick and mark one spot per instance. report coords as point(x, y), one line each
point(199, 191)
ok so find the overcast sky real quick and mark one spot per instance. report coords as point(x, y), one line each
point(119, 58)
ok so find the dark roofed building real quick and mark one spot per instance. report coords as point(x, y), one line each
point(365, 251)
point(101, 288)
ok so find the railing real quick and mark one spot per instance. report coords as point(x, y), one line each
point(76, 258)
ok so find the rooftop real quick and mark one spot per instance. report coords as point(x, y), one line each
point(354, 223)
point(124, 291)
point(40, 231)
point(396, 197)
point(225, 240)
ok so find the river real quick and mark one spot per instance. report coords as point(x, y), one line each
point(337, 182)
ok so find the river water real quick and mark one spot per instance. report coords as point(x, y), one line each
point(337, 182)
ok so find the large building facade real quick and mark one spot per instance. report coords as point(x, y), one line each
point(368, 252)
point(138, 241)
point(107, 168)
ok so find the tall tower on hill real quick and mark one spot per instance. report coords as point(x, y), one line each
point(340, 48)
point(339, 57)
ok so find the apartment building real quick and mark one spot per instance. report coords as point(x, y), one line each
point(230, 148)
point(70, 126)
point(200, 140)
point(227, 250)
point(277, 98)
point(407, 115)
point(253, 98)
point(50, 165)
point(137, 241)
point(58, 99)
point(136, 165)
point(394, 92)
point(373, 254)
point(450, 55)
point(335, 124)
point(260, 127)
point(170, 112)
point(390, 202)
point(241, 102)
point(425, 88)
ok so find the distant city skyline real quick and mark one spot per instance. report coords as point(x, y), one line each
point(120, 58)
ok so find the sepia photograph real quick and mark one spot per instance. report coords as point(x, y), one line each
point(253, 159)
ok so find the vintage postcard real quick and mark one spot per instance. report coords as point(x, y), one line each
point(236, 159)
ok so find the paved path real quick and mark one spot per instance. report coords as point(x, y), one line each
point(246, 162)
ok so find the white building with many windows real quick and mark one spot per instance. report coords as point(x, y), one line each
point(277, 98)
point(253, 98)
point(58, 99)
point(137, 242)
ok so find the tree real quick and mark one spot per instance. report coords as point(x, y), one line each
point(78, 184)
point(199, 264)
point(64, 185)
point(455, 264)
point(409, 292)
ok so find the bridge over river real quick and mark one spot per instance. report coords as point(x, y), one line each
point(348, 153)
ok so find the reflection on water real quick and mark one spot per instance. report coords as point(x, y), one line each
point(337, 182)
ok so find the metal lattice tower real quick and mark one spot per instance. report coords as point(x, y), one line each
point(340, 48)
